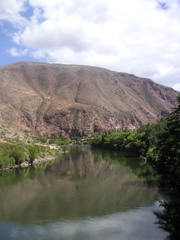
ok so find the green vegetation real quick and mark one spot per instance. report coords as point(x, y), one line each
point(166, 155)
point(15, 152)
point(19, 152)
point(60, 140)
point(166, 161)
point(125, 141)
point(19, 175)
point(137, 142)
point(158, 142)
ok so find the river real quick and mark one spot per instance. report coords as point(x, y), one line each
point(85, 194)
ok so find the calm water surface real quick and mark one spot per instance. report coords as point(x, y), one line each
point(85, 194)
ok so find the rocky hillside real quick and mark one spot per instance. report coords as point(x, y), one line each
point(78, 100)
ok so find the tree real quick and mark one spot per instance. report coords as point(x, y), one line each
point(18, 154)
point(168, 167)
point(168, 147)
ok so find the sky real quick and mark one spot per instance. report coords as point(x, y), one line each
point(140, 37)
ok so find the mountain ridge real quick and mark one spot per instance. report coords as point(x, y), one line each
point(70, 100)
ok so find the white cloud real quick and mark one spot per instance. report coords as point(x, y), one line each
point(131, 224)
point(18, 52)
point(136, 36)
point(11, 10)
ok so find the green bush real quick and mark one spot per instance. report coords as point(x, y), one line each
point(18, 155)
point(125, 141)
point(12, 153)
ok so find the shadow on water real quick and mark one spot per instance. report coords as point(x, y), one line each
point(169, 217)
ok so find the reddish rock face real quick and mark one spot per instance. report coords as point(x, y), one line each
point(78, 100)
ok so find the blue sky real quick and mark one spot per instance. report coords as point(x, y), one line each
point(140, 37)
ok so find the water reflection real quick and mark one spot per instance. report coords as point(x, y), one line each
point(78, 185)
point(169, 217)
point(136, 224)
point(79, 195)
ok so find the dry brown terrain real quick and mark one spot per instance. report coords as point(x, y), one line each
point(78, 100)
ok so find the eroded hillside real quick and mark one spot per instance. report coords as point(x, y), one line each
point(78, 100)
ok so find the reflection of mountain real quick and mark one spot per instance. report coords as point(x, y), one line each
point(76, 186)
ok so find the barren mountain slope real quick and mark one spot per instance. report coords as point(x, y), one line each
point(78, 100)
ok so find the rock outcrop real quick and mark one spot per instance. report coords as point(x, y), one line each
point(75, 100)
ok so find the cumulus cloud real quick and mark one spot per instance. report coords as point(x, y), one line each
point(136, 36)
point(18, 52)
point(11, 11)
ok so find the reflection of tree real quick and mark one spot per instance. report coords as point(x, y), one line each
point(16, 176)
point(169, 216)
point(135, 164)
point(168, 168)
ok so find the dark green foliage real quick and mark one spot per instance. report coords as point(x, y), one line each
point(17, 153)
point(166, 161)
point(128, 141)
point(6, 160)
point(152, 131)
point(139, 142)
point(11, 154)
point(167, 148)
point(33, 152)
point(59, 140)
point(169, 218)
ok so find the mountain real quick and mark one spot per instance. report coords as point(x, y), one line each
point(75, 100)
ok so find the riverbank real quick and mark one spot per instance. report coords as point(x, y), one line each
point(28, 164)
